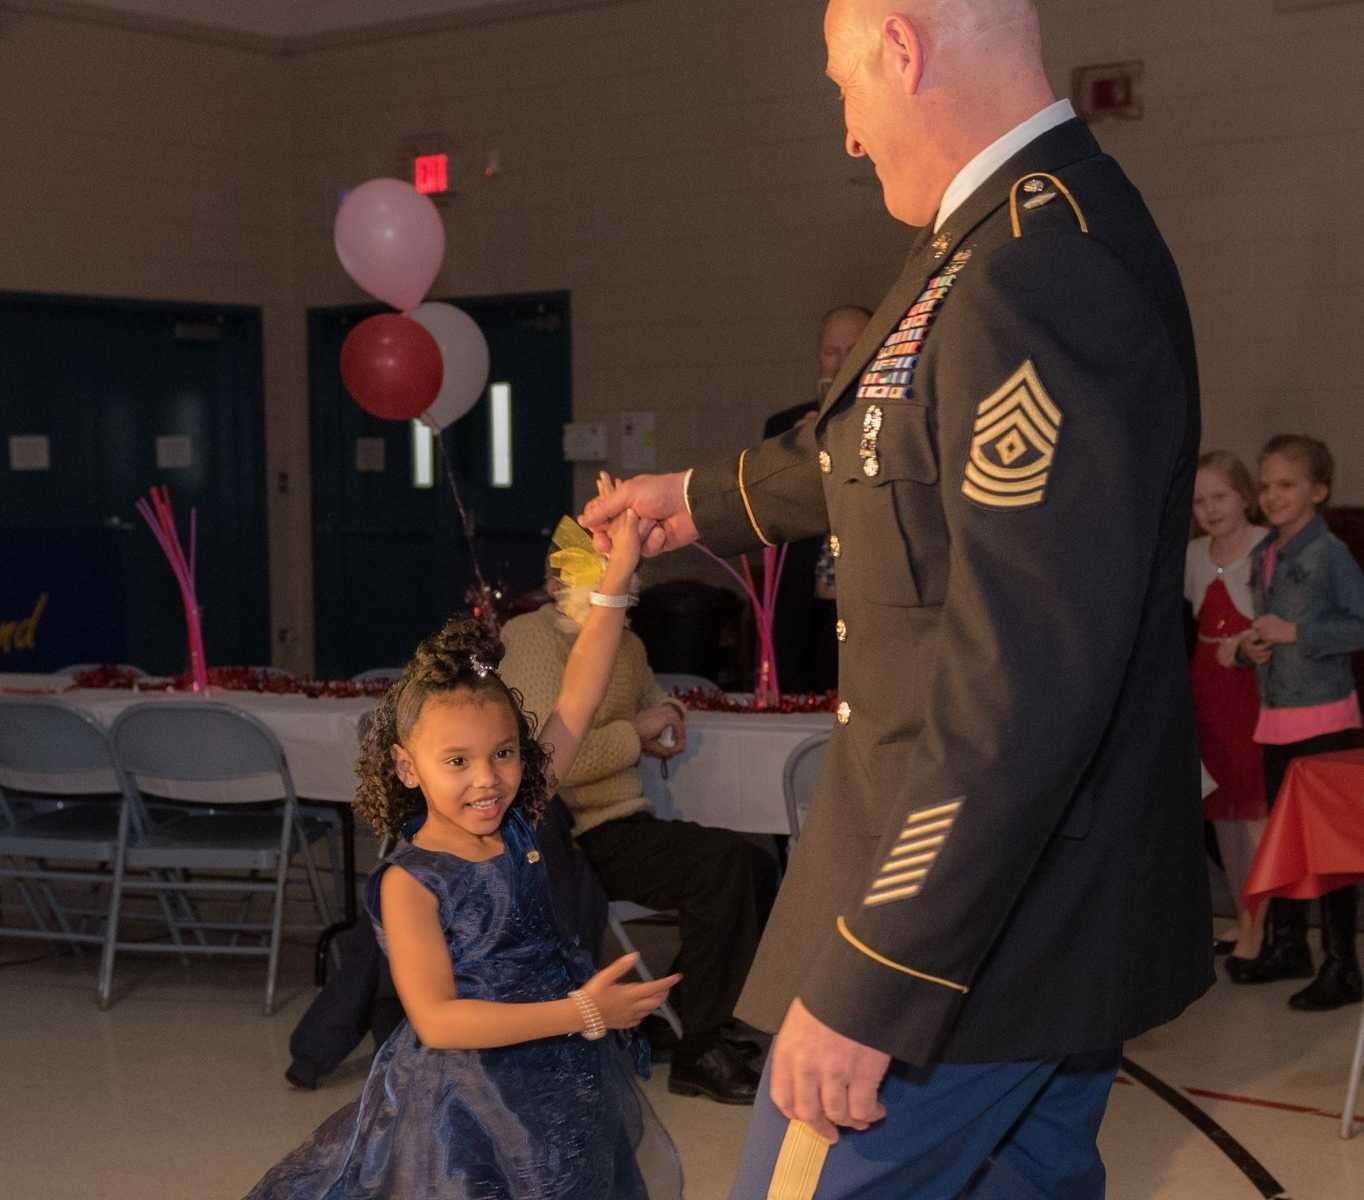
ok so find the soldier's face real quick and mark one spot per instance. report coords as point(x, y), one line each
point(877, 120)
point(1218, 507)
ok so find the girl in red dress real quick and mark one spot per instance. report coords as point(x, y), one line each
point(1226, 699)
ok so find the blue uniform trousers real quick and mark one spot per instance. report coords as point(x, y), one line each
point(991, 1131)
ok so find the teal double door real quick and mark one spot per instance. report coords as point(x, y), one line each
point(99, 401)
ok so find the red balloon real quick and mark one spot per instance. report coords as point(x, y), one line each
point(391, 367)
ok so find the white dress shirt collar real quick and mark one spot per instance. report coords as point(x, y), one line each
point(996, 154)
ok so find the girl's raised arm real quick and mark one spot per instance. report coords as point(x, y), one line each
point(588, 670)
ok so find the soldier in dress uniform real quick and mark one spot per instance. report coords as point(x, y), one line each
point(1001, 878)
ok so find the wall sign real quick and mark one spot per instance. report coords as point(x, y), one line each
point(29, 452)
point(174, 452)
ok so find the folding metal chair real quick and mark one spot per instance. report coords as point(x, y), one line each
point(219, 764)
point(617, 914)
point(680, 681)
point(1347, 1118)
point(385, 674)
point(798, 779)
point(77, 668)
point(87, 814)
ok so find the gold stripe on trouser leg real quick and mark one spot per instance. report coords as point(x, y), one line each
point(799, 1164)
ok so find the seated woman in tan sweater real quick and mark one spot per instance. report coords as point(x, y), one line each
point(721, 884)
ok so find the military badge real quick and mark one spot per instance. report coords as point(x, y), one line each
point(1013, 444)
point(906, 866)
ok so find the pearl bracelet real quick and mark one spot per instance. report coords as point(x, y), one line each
point(593, 1026)
point(603, 600)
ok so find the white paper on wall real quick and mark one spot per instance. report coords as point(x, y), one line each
point(369, 455)
point(174, 452)
point(29, 452)
point(638, 446)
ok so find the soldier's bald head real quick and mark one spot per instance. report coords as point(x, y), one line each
point(1002, 26)
point(927, 84)
point(949, 18)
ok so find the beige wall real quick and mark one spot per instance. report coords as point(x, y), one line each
point(679, 168)
point(1251, 155)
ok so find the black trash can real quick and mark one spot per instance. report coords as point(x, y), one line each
point(691, 627)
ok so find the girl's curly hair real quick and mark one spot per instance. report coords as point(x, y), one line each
point(463, 656)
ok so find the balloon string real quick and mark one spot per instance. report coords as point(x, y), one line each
point(466, 520)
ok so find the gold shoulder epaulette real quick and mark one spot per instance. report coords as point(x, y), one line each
point(1038, 189)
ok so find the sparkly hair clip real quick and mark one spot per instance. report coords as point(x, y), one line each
point(479, 667)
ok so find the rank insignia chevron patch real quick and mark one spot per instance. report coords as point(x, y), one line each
point(1013, 444)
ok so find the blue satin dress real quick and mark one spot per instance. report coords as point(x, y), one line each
point(560, 1118)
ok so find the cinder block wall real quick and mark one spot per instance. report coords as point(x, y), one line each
point(679, 168)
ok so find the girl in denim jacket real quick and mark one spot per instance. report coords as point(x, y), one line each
point(1309, 600)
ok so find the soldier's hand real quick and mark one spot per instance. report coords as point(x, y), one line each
point(823, 1078)
point(660, 503)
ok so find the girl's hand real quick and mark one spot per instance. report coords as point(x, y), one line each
point(1275, 630)
point(623, 531)
point(625, 1005)
point(1226, 651)
point(1256, 648)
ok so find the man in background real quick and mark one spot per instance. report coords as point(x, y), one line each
point(804, 630)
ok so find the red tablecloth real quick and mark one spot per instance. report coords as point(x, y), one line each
point(1314, 842)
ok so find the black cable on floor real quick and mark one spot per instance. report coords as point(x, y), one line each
point(1245, 1162)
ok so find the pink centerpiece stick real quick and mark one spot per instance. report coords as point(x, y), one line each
point(767, 688)
point(156, 510)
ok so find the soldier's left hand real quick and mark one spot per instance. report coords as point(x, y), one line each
point(823, 1078)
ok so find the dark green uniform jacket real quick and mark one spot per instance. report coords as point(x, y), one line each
point(1005, 858)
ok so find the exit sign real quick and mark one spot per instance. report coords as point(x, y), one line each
point(431, 174)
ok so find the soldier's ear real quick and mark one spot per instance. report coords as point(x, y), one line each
point(904, 52)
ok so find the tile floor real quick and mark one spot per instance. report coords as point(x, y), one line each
point(177, 1092)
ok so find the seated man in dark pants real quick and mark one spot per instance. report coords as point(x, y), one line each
point(720, 883)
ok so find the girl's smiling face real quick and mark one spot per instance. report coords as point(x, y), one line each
point(464, 752)
point(1287, 494)
point(1218, 507)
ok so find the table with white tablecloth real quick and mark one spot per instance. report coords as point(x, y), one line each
point(730, 774)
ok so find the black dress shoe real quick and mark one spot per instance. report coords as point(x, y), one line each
point(302, 1075)
point(1275, 962)
point(718, 1072)
point(1337, 983)
point(1222, 946)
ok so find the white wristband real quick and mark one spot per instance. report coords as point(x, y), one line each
point(602, 600)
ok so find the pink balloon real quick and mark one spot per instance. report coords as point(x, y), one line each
point(390, 240)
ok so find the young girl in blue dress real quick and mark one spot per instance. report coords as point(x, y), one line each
point(501, 1084)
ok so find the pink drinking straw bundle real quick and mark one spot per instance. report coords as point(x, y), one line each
point(767, 689)
point(160, 517)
